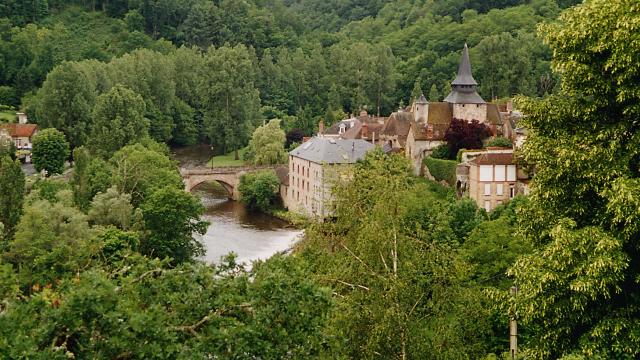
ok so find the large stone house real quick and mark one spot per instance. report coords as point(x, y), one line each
point(315, 167)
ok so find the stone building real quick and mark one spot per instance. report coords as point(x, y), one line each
point(315, 167)
point(21, 134)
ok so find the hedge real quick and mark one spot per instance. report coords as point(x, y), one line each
point(442, 169)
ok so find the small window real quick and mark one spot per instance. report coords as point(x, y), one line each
point(512, 192)
point(487, 205)
point(487, 189)
point(499, 189)
point(486, 172)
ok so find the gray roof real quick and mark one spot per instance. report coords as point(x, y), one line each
point(459, 97)
point(333, 151)
point(464, 70)
point(422, 100)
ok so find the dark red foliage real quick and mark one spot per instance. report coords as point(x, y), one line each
point(465, 135)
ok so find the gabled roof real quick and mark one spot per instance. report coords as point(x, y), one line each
point(20, 130)
point(398, 124)
point(332, 150)
point(464, 70)
point(358, 131)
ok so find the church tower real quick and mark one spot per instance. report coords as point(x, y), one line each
point(467, 104)
point(420, 109)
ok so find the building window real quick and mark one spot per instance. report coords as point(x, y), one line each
point(512, 192)
point(486, 172)
point(499, 189)
point(511, 173)
point(487, 189)
point(500, 173)
point(487, 205)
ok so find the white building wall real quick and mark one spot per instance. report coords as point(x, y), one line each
point(470, 112)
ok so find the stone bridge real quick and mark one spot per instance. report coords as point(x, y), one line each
point(228, 177)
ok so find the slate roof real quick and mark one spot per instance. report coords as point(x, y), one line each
point(464, 70)
point(332, 150)
point(20, 130)
point(463, 87)
point(421, 100)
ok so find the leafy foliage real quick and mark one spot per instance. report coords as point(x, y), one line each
point(12, 184)
point(259, 190)
point(267, 144)
point(462, 134)
point(442, 170)
point(500, 142)
point(50, 151)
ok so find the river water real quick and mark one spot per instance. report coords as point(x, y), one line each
point(250, 235)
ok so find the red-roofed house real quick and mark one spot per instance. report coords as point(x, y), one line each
point(21, 134)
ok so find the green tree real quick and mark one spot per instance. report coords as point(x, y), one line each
point(51, 240)
point(230, 101)
point(65, 102)
point(12, 182)
point(579, 288)
point(172, 218)
point(118, 120)
point(50, 150)
point(140, 170)
point(259, 190)
point(267, 144)
point(112, 208)
point(434, 94)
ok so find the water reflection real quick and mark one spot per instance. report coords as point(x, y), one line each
point(233, 228)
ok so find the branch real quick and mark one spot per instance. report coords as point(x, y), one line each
point(353, 286)
point(192, 328)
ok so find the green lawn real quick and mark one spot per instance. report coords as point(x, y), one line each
point(227, 160)
point(7, 116)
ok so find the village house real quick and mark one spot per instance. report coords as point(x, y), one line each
point(364, 126)
point(21, 134)
point(315, 167)
point(490, 177)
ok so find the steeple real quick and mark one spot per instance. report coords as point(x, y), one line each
point(463, 87)
point(421, 100)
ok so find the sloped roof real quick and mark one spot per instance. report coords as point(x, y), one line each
point(398, 124)
point(332, 150)
point(430, 132)
point(494, 159)
point(421, 100)
point(440, 113)
point(493, 115)
point(464, 70)
point(356, 132)
point(20, 130)
point(460, 97)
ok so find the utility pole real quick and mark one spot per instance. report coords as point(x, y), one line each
point(513, 329)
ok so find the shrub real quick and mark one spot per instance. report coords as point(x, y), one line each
point(259, 190)
point(442, 169)
point(441, 152)
point(500, 142)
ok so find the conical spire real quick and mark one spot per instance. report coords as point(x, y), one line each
point(464, 70)
point(463, 88)
point(421, 100)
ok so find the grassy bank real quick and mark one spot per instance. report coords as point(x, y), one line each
point(227, 159)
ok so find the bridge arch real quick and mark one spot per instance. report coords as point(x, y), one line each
point(229, 188)
point(228, 177)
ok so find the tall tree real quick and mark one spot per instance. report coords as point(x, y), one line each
point(229, 98)
point(50, 151)
point(118, 120)
point(578, 292)
point(12, 183)
point(65, 102)
point(267, 144)
point(172, 218)
point(462, 134)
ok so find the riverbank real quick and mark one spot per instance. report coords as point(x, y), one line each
point(296, 220)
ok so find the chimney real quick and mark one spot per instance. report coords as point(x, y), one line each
point(22, 118)
point(365, 131)
point(321, 128)
point(509, 106)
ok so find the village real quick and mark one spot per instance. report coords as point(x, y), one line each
point(491, 176)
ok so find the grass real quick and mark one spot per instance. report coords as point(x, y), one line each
point(7, 116)
point(227, 160)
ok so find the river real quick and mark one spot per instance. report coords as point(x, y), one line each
point(251, 235)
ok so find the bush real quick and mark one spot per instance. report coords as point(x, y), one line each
point(442, 169)
point(441, 152)
point(259, 190)
point(500, 142)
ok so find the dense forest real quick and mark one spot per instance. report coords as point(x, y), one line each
point(103, 263)
point(301, 60)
